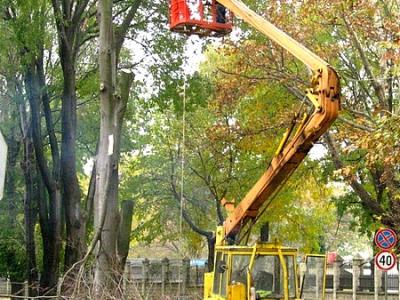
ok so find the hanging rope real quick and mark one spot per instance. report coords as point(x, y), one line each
point(182, 200)
point(183, 156)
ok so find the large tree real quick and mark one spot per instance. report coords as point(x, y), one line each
point(72, 19)
point(121, 22)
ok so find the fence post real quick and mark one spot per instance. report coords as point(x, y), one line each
point(357, 262)
point(302, 270)
point(336, 272)
point(197, 275)
point(8, 286)
point(377, 281)
point(126, 276)
point(164, 274)
point(26, 287)
point(186, 274)
point(398, 274)
point(145, 274)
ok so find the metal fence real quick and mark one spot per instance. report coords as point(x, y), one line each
point(179, 277)
point(165, 279)
point(361, 279)
point(183, 279)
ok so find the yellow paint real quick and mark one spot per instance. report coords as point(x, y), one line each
point(251, 265)
point(237, 291)
point(220, 235)
point(208, 283)
point(314, 99)
point(285, 274)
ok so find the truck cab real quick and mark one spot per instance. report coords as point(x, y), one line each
point(264, 271)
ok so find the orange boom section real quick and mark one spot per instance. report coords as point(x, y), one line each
point(324, 93)
point(290, 154)
point(200, 17)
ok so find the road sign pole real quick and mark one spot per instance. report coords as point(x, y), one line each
point(377, 278)
point(386, 286)
point(398, 278)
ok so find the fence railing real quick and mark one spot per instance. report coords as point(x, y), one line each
point(361, 277)
point(169, 279)
point(183, 279)
point(358, 277)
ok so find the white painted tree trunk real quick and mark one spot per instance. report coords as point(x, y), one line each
point(106, 215)
point(114, 96)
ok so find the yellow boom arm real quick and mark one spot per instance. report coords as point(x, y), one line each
point(324, 93)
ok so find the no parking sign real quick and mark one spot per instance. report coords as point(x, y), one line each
point(385, 239)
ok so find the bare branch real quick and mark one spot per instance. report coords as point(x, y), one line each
point(366, 200)
point(379, 91)
point(355, 125)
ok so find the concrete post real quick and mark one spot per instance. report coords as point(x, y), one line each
point(145, 274)
point(164, 274)
point(186, 274)
point(377, 282)
point(317, 287)
point(8, 287)
point(357, 262)
point(398, 273)
point(336, 273)
point(197, 275)
point(126, 276)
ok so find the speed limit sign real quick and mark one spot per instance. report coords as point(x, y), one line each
point(385, 260)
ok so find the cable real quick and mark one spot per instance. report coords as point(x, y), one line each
point(183, 156)
point(182, 200)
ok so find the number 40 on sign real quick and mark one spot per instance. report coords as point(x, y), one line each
point(385, 260)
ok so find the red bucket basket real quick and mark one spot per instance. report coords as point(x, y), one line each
point(199, 17)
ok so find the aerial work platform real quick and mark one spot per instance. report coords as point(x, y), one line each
point(199, 17)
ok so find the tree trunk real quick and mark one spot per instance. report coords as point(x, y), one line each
point(211, 252)
point(105, 200)
point(12, 199)
point(10, 186)
point(50, 213)
point(28, 167)
point(112, 107)
point(30, 221)
point(70, 17)
point(264, 232)
point(75, 222)
point(49, 275)
point(124, 235)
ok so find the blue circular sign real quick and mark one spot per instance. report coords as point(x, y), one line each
point(385, 238)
